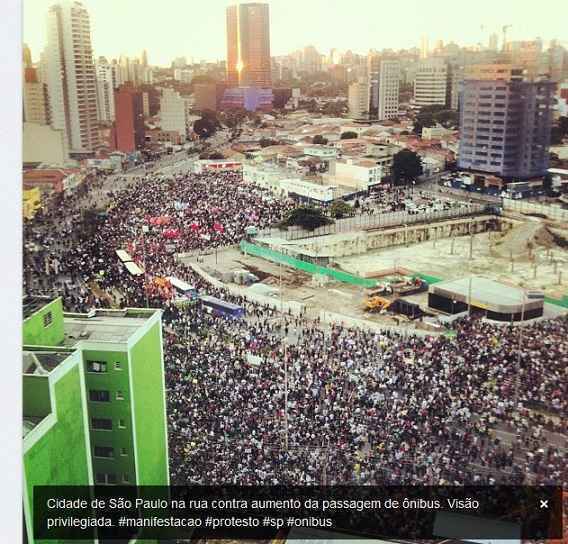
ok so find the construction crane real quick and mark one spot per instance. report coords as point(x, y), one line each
point(505, 28)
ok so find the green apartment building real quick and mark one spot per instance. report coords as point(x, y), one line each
point(110, 368)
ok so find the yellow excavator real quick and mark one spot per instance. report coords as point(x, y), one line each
point(376, 303)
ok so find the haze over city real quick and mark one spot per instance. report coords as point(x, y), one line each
point(197, 29)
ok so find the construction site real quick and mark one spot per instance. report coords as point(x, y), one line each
point(385, 276)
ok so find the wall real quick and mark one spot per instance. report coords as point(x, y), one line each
point(112, 380)
point(146, 366)
point(51, 460)
point(522, 206)
point(41, 143)
point(35, 396)
point(34, 332)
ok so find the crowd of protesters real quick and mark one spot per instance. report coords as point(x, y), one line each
point(484, 406)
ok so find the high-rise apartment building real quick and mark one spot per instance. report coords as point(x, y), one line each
point(175, 113)
point(359, 98)
point(505, 127)
point(35, 98)
point(71, 75)
point(431, 83)
point(248, 45)
point(129, 124)
point(311, 60)
point(384, 82)
point(106, 84)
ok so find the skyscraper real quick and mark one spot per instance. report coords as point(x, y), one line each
point(431, 83)
point(384, 81)
point(505, 127)
point(248, 46)
point(106, 84)
point(35, 99)
point(129, 119)
point(358, 98)
point(71, 75)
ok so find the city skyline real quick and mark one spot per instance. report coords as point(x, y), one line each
point(346, 28)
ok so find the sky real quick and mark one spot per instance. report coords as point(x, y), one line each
point(196, 28)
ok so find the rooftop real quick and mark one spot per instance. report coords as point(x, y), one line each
point(32, 304)
point(30, 423)
point(41, 363)
point(104, 325)
point(485, 290)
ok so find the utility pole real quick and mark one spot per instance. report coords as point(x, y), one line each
point(145, 230)
point(470, 240)
point(469, 295)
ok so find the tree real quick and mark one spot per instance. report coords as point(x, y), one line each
point(319, 139)
point(348, 135)
point(547, 183)
point(204, 127)
point(406, 167)
point(306, 217)
point(556, 136)
point(340, 209)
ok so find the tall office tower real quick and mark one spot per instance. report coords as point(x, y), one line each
point(175, 113)
point(431, 83)
point(106, 85)
point(129, 124)
point(71, 75)
point(144, 58)
point(26, 56)
point(358, 98)
point(311, 60)
point(424, 47)
point(505, 127)
point(528, 55)
point(118, 395)
point(35, 98)
point(494, 42)
point(384, 84)
point(248, 45)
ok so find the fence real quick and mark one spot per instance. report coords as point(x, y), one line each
point(522, 206)
point(375, 221)
point(275, 256)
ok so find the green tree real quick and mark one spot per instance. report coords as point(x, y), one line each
point(204, 127)
point(348, 135)
point(306, 217)
point(340, 209)
point(319, 139)
point(406, 167)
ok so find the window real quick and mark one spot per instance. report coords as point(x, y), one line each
point(103, 478)
point(98, 395)
point(125, 478)
point(123, 452)
point(119, 395)
point(121, 424)
point(117, 365)
point(47, 319)
point(101, 424)
point(104, 451)
point(96, 366)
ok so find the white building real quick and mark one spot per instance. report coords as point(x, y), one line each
point(431, 83)
point(42, 144)
point(308, 190)
point(106, 84)
point(388, 91)
point(433, 133)
point(266, 176)
point(174, 113)
point(183, 74)
point(358, 99)
point(361, 174)
point(71, 75)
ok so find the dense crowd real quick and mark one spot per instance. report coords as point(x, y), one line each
point(362, 407)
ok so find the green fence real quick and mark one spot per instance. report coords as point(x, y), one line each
point(310, 268)
point(558, 301)
point(428, 279)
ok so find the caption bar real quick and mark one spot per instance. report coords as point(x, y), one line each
point(465, 513)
